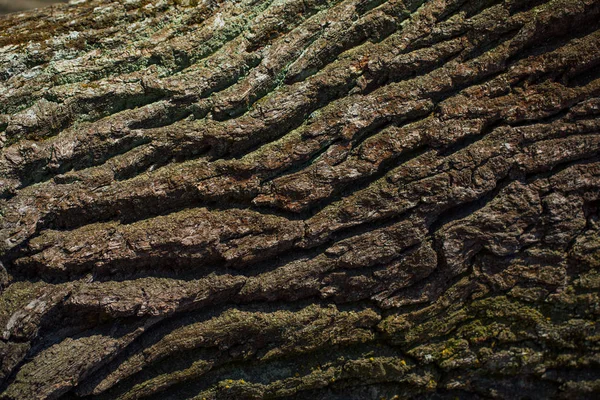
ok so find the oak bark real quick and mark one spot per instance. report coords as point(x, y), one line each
point(306, 199)
point(9, 6)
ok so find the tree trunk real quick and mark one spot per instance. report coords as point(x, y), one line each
point(7, 6)
point(307, 199)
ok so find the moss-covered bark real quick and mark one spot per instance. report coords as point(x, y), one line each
point(309, 199)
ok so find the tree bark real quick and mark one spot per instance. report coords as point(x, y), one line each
point(306, 199)
point(8, 6)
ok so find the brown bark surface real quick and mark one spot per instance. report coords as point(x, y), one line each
point(8, 6)
point(305, 199)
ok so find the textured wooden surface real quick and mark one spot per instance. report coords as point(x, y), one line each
point(307, 199)
point(8, 6)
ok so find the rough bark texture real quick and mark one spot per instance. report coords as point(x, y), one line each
point(308, 199)
point(7, 6)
